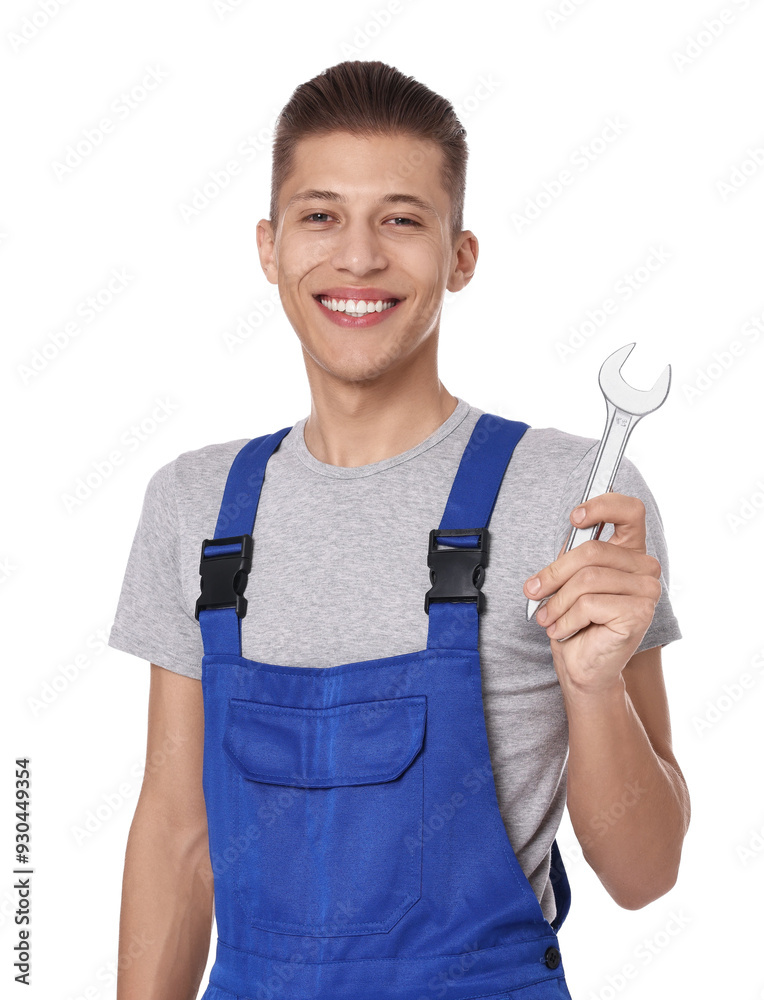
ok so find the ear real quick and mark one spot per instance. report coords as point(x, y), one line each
point(266, 248)
point(465, 259)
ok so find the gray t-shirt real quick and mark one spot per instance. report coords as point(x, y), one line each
point(340, 573)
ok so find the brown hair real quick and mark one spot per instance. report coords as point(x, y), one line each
point(371, 98)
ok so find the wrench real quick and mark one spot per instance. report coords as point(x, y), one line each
point(625, 407)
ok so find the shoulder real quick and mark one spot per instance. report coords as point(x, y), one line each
point(561, 462)
point(192, 480)
point(552, 455)
point(205, 466)
point(543, 451)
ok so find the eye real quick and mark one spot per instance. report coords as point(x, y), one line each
point(403, 218)
point(314, 214)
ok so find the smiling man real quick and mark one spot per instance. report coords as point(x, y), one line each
point(391, 221)
point(373, 768)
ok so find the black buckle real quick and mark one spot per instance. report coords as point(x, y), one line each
point(457, 574)
point(224, 575)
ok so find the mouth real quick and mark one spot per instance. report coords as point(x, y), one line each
point(356, 313)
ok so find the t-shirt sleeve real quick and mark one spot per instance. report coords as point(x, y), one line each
point(151, 620)
point(664, 627)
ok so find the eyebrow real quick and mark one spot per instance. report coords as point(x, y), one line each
point(409, 199)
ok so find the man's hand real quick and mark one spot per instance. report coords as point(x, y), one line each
point(608, 590)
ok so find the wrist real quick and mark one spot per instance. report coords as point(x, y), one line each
point(594, 699)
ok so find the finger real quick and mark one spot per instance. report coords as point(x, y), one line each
point(625, 616)
point(598, 580)
point(592, 552)
point(625, 513)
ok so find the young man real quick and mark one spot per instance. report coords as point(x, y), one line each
point(375, 828)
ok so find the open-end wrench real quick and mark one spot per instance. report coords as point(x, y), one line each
point(625, 407)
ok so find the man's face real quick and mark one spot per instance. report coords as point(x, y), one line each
point(364, 225)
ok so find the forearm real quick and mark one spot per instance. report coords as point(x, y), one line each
point(167, 909)
point(628, 806)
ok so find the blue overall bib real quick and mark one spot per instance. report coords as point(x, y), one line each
point(356, 841)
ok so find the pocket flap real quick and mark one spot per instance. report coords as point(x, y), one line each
point(359, 744)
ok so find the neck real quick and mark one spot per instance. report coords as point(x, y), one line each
point(356, 424)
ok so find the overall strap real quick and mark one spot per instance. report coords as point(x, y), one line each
point(455, 599)
point(227, 558)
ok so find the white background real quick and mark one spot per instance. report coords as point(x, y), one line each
point(532, 90)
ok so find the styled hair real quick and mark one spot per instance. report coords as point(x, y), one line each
point(368, 97)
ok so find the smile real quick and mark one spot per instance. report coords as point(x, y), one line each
point(356, 313)
point(356, 308)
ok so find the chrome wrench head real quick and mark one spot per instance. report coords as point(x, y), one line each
point(625, 407)
point(623, 396)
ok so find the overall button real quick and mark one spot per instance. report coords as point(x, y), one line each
point(552, 958)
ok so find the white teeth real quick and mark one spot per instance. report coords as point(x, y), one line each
point(356, 308)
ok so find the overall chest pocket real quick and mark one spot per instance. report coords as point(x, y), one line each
point(330, 803)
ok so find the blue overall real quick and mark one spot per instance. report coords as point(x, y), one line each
point(356, 841)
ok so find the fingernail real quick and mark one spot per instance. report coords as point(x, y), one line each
point(578, 514)
point(534, 585)
point(541, 614)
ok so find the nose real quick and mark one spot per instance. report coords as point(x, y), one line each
point(358, 249)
